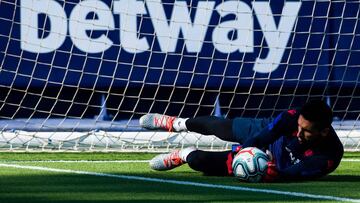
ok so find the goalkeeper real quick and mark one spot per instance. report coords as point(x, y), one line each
point(303, 145)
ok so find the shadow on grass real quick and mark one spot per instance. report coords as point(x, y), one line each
point(341, 178)
point(34, 187)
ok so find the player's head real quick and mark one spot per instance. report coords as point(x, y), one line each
point(314, 121)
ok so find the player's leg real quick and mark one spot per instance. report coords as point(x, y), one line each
point(245, 128)
point(210, 163)
point(233, 130)
point(156, 121)
point(178, 157)
point(211, 125)
point(207, 125)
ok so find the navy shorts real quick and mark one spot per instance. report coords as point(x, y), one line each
point(244, 128)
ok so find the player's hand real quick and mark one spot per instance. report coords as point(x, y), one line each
point(235, 148)
point(271, 171)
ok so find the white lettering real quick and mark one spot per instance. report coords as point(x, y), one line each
point(29, 16)
point(276, 39)
point(128, 10)
point(78, 25)
point(168, 33)
point(244, 41)
point(90, 21)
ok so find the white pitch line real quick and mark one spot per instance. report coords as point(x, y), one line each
point(188, 183)
point(350, 160)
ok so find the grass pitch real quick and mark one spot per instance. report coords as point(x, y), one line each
point(126, 177)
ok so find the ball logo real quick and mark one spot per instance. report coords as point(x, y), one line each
point(167, 31)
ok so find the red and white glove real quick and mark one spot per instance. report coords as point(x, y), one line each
point(235, 149)
point(271, 171)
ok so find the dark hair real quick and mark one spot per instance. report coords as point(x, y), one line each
point(318, 112)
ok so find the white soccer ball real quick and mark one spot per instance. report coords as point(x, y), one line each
point(250, 164)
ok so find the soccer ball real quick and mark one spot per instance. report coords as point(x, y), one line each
point(250, 164)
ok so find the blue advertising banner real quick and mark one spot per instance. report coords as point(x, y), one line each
point(208, 44)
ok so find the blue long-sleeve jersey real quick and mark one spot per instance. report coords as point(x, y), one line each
point(295, 160)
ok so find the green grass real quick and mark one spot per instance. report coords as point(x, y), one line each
point(25, 185)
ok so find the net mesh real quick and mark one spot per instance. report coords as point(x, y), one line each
point(77, 75)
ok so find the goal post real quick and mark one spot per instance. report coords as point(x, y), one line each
point(77, 75)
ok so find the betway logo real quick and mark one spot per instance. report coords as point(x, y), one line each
point(167, 31)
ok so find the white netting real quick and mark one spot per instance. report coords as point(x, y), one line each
point(78, 74)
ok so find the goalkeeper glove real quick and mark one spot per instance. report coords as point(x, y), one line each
point(271, 172)
point(235, 149)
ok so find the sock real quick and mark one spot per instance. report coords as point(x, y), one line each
point(179, 124)
point(184, 153)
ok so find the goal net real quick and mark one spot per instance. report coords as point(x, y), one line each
point(77, 75)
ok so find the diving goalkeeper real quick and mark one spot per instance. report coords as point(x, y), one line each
point(302, 143)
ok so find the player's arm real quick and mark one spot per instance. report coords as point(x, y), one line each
point(279, 126)
point(310, 167)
